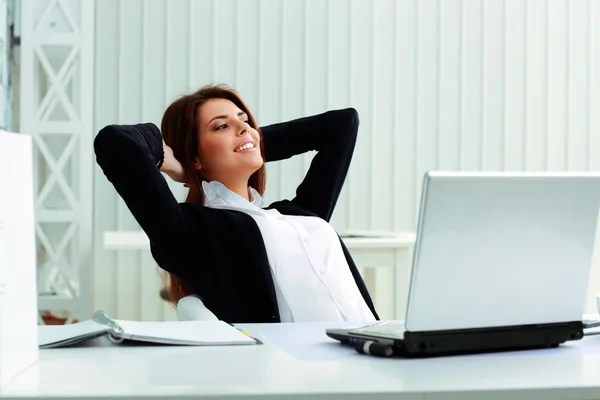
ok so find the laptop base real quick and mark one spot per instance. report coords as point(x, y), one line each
point(469, 341)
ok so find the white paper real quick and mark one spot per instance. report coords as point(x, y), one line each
point(308, 341)
point(185, 332)
point(49, 334)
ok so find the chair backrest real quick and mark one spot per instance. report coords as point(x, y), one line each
point(191, 308)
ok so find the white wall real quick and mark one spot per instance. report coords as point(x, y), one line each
point(452, 84)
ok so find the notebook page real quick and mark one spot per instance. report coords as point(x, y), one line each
point(63, 335)
point(199, 333)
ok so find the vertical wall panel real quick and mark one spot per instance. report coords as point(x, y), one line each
point(557, 95)
point(493, 85)
point(130, 47)
point(594, 87)
point(225, 56)
point(248, 65)
point(315, 47)
point(176, 46)
point(578, 85)
point(405, 78)
point(314, 66)
point(383, 108)
point(471, 63)
point(192, 32)
point(536, 42)
point(451, 84)
point(593, 118)
point(202, 44)
point(153, 96)
point(6, 107)
point(515, 65)
point(428, 85)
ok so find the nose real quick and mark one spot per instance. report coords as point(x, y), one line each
point(242, 129)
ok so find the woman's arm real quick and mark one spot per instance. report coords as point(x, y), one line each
point(333, 135)
point(129, 156)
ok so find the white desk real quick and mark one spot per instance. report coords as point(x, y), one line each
point(274, 372)
point(370, 251)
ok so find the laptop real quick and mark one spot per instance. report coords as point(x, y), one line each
point(501, 262)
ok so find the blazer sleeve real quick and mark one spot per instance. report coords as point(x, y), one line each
point(333, 135)
point(128, 154)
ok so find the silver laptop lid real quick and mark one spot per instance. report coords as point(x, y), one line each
point(501, 249)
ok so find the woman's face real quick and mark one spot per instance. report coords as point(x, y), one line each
point(229, 148)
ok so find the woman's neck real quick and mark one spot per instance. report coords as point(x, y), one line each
point(238, 187)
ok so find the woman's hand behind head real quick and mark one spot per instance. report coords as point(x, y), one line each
point(172, 167)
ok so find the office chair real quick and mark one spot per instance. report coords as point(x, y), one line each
point(191, 308)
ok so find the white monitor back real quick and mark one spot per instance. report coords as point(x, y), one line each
point(502, 249)
point(18, 289)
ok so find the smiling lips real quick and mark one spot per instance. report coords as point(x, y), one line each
point(248, 146)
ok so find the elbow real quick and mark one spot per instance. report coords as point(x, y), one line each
point(113, 139)
point(348, 116)
point(103, 143)
point(110, 145)
point(351, 120)
point(351, 115)
point(105, 139)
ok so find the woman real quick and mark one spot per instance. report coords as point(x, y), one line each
point(282, 263)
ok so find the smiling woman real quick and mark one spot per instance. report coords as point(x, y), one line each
point(248, 263)
point(205, 131)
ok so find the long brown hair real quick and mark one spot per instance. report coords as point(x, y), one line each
point(180, 130)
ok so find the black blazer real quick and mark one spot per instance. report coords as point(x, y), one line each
point(220, 254)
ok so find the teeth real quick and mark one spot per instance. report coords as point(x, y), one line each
point(244, 147)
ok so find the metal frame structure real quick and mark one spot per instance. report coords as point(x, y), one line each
point(56, 108)
point(5, 67)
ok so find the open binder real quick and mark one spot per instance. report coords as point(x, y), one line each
point(190, 333)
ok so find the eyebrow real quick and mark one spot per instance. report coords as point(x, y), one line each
point(225, 116)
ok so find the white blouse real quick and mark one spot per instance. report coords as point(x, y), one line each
point(312, 279)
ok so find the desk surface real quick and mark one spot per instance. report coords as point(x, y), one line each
point(281, 368)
